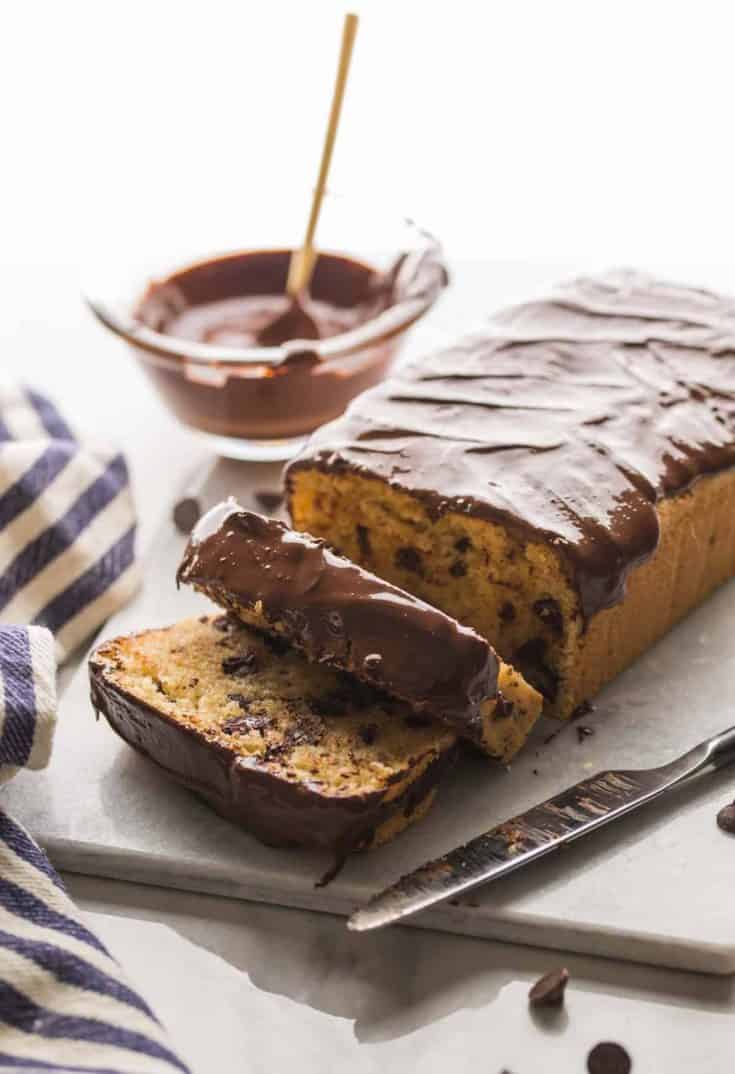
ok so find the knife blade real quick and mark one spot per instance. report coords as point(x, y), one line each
point(575, 812)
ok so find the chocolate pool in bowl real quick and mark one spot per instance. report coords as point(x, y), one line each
point(197, 331)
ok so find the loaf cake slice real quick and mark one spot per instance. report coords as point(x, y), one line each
point(296, 753)
point(562, 481)
point(340, 615)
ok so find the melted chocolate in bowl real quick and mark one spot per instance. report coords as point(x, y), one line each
point(227, 302)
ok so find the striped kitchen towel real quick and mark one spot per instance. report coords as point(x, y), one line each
point(65, 1006)
point(66, 562)
point(67, 524)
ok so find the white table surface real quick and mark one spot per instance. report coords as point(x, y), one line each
point(246, 987)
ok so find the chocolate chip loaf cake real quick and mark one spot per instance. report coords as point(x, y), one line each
point(297, 753)
point(562, 481)
point(340, 615)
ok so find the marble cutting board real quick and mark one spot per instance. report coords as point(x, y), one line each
point(656, 887)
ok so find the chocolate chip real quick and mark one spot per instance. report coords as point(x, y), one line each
point(458, 569)
point(503, 707)
point(278, 646)
point(372, 662)
point(726, 818)
point(584, 708)
point(529, 660)
point(194, 682)
point(368, 733)
point(250, 721)
point(549, 613)
point(334, 622)
point(336, 703)
point(186, 513)
point(409, 559)
point(462, 545)
point(241, 664)
point(584, 732)
point(363, 541)
point(203, 619)
point(549, 989)
point(269, 499)
point(507, 612)
point(608, 1058)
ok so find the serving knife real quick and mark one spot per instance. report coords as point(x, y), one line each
point(575, 812)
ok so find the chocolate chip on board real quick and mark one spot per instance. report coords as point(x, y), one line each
point(726, 818)
point(549, 989)
point(609, 1058)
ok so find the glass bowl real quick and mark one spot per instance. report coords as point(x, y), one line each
point(260, 402)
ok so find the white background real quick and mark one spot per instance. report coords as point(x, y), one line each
point(596, 132)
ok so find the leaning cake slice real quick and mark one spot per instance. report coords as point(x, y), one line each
point(342, 616)
point(298, 754)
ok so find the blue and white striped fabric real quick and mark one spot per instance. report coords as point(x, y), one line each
point(66, 562)
point(67, 523)
point(65, 1006)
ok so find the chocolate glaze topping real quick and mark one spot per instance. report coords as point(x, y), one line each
point(565, 419)
point(342, 615)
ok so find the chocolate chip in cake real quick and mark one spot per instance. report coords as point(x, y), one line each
point(409, 559)
point(278, 646)
point(726, 818)
point(503, 707)
point(368, 733)
point(241, 664)
point(458, 569)
point(249, 721)
point(269, 499)
point(529, 660)
point(372, 663)
point(609, 1058)
point(336, 703)
point(225, 623)
point(186, 513)
point(549, 989)
point(507, 612)
point(549, 612)
point(463, 545)
point(584, 732)
point(363, 541)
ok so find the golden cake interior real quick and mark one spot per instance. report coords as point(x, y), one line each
point(518, 593)
point(301, 722)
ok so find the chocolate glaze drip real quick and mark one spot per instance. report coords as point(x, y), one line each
point(566, 420)
point(342, 615)
point(245, 790)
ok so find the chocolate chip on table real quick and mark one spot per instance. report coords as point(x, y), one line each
point(241, 664)
point(609, 1058)
point(186, 513)
point(584, 708)
point(726, 818)
point(269, 499)
point(584, 732)
point(549, 989)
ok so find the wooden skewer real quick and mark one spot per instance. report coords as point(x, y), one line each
point(302, 260)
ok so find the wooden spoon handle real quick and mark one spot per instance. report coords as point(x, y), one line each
point(302, 261)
